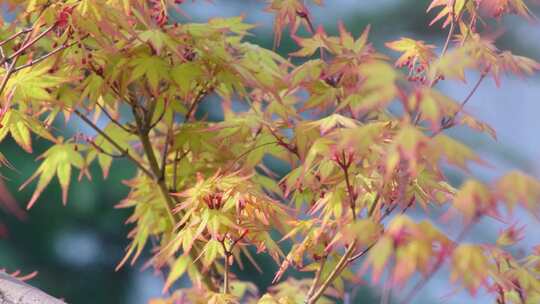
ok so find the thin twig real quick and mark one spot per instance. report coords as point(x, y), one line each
point(6, 64)
point(450, 121)
point(45, 56)
point(8, 74)
point(112, 141)
point(362, 253)
point(168, 142)
point(451, 31)
point(198, 98)
point(245, 153)
point(282, 143)
point(317, 278)
point(334, 274)
point(8, 39)
point(160, 117)
point(226, 255)
point(375, 203)
point(27, 45)
point(352, 196)
point(470, 95)
point(416, 120)
point(112, 119)
point(100, 150)
point(11, 68)
point(241, 237)
point(228, 252)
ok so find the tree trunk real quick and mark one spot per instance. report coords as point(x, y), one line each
point(13, 291)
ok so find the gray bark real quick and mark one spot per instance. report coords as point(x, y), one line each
point(13, 291)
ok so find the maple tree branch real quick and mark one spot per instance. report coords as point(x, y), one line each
point(362, 253)
point(374, 205)
point(334, 274)
point(451, 31)
point(168, 142)
point(500, 292)
point(160, 117)
point(11, 68)
point(143, 131)
point(100, 150)
point(245, 153)
point(471, 93)
point(226, 275)
point(17, 34)
point(449, 122)
point(111, 141)
point(198, 98)
point(27, 45)
point(352, 196)
point(343, 262)
point(290, 147)
point(444, 49)
point(175, 169)
point(3, 54)
point(191, 110)
point(448, 38)
point(8, 74)
point(112, 119)
point(227, 254)
point(317, 278)
point(45, 56)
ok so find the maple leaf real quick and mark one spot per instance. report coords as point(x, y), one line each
point(319, 40)
point(473, 199)
point(178, 268)
point(207, 188)
point(480, 53)
point(511, 235)
point(498, 8)
point(470, 266)
point(433, 105)
point(455, 152)
point(377, 88)
point(19, 126)
point(347, 42)
point(517, 65)
point(413, 51)
point(407, 146)
point(288, 13)
point(516, 187)
point(379, 256)
point(152, 67)
point(451, 9)
point(158, 39)
point(34, 83)
point(58, 160)
point(452, 64)
point(104, 150)
point(476, 124)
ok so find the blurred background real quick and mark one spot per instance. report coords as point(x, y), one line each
point(76, 248)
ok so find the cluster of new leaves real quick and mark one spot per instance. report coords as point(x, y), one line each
point(205, 195)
